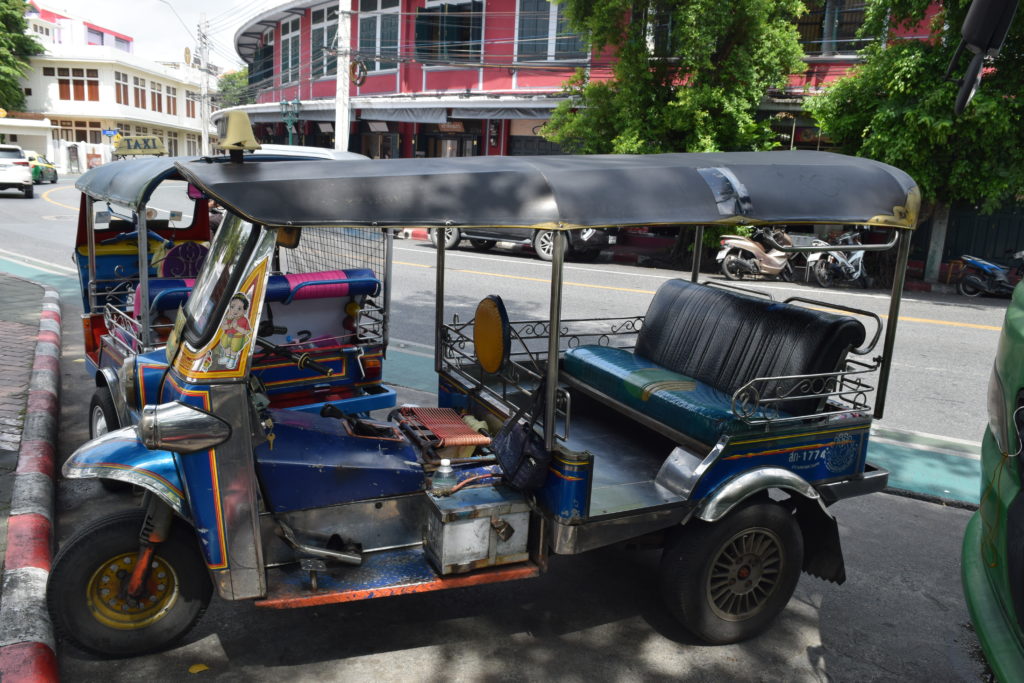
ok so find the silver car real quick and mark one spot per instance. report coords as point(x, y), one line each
point(15, 172)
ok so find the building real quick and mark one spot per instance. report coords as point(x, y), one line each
point(467, 77)
point(89, 86)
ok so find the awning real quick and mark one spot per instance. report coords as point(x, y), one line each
point(409, 115)
point(501, 113)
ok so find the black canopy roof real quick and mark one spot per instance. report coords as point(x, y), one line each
point(566, 191)
point(129, 182)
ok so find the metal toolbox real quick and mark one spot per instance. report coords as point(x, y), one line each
point(477, 527)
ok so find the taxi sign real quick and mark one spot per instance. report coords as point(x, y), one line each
point(138, 145)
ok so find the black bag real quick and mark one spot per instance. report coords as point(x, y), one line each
point(520, 449)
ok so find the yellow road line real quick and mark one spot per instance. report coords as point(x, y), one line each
point(46, 197)
point(950, 323)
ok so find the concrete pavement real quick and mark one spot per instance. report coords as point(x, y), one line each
point(29, 410)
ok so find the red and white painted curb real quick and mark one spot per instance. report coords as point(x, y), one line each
point(27, 645)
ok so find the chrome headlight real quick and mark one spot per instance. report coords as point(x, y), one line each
point(998, 423)
point(128, 380)
point(181, 428)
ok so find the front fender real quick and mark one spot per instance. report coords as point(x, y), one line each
point(121, 455)
point(108, 376)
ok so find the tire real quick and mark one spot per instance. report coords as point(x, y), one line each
point(544, 244)
point(586, 255)
point(94, 621)
point(452, 237)
point(102, 419)
point(823, 272)
point(787, 274)
point(30, 191)
point(730, 266)
point(482, 245)
point(54, 181)
point(760, 540)
point(968, 285)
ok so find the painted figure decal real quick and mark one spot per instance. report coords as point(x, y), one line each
point(235, 333)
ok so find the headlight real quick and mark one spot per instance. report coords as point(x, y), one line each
point(181, 428)
point(128, 380)
point(997, 422)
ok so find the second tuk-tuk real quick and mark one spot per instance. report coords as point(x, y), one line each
point(720, 425)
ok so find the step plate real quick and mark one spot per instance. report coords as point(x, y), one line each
point(395, 572)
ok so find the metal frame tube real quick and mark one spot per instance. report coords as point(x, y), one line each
point(389, 254)
point(555, 316)
point(439, 298)
point(143, 289)
point(698, 243)
point(890, 329)
point(90, 229)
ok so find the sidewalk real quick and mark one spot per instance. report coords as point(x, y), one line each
point(30, 345)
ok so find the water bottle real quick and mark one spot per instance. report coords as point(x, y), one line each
point(444, 476)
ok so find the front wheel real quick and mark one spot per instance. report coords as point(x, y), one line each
point(451, 237)
point(787, 274)
point(86, 593)
point(544, 244)
point(823, 272)
point(727, 581)
point(731, 267)
point(968, 285)
point(54, 181)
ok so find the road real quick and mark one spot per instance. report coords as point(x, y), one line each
point(595, 616)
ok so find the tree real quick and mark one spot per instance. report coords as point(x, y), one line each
point(15, 49)
point(234, 88)
point(897, 107)
point(688, 75)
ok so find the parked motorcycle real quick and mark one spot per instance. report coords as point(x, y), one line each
point(982, 277)
point(843, 266)
point(756, 255)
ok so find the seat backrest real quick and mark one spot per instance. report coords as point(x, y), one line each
point(726, 339)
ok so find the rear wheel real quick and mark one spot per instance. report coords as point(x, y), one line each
point(451, 237)
point(29, 191)
point(968, 285)
point(544, 244)
point(787, 274)
point(727, 581)
point(482, 245)
point(731, 267)
point(823, 272)
point(54, 180)
point(87, 590)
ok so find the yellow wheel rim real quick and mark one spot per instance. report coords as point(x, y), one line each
point(110, 606)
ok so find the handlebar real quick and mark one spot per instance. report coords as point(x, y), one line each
point(301, 360)
point(135, 233)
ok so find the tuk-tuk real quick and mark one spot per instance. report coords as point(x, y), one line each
point(720, 426)
point(138, 257)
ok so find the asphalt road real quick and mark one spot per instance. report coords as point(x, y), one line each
point(597, 616)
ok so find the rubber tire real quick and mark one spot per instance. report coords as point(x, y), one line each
point(585, 255)
point(482, 245)
point(104, 402)
point(54, 181)
point(687, 562)
point(823, 272)
point(966, 288)
point(91, 548)
point(452, 237)
point(787, 274)
point(544, 244)
point(729, 268)
point(30, 192)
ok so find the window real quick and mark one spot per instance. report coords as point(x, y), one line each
point(191, 145)
point(141, 130)
point(172, 101)
point(378, 33)
point(323, 37)
point(78, 84)
point(121, 87)
point(544, 33)
point(122, 44)
point(450, 32)
point(28, 92)
point(93, 37)
point(48, 71)
point(139, 91)
point(79, 131)
point(190, 104)
point(156, 97)
point(172, 143)
point(830, 26)
point(290, 51)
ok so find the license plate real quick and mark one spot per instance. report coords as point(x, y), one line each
point(721, 254)
point(612, 239)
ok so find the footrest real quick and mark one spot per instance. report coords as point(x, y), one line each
point(445, 425)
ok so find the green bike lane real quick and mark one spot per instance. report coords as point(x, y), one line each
point(921, 464)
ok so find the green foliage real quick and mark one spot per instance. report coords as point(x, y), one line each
point(234, 89)
point(896, 108)
point(15, 49)
point(688, 75)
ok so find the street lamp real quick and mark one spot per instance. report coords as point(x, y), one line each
point(290, 114)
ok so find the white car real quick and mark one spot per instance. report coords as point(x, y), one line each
point(302, 151)
point(15, 171)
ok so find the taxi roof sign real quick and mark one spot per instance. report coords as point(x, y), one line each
point(139, 145)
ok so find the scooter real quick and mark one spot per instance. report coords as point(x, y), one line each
point(983, 277)
point(844, 266)
point(755, 255)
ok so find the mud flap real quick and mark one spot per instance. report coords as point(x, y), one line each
point(823, 553)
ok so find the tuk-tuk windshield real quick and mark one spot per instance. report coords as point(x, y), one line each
point(228, 256)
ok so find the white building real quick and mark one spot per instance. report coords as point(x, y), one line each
point(90, 86)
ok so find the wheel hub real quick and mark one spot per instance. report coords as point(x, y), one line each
point(744, 574)
point(110, 604)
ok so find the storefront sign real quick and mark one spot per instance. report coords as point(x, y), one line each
point(451, 127)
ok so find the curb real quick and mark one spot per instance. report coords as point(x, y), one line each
point(27, 643)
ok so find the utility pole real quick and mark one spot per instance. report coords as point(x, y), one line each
point(204, 97)
point(341, 99)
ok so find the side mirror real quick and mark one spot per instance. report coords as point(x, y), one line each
point(983, 33)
